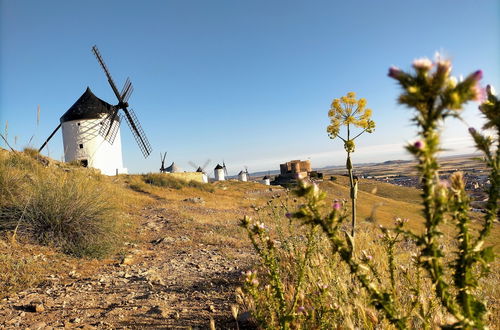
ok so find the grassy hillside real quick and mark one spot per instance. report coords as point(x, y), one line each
point(57, 217)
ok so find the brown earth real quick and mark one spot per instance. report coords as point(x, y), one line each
point(180, 271)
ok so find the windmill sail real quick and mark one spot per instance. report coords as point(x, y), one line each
point(109, 127)
point(139, 135)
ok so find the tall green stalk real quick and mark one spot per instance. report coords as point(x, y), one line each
point(347, 111)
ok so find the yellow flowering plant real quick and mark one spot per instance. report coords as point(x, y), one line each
point(352, 113)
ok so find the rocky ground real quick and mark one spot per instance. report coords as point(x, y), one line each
point(167, 278)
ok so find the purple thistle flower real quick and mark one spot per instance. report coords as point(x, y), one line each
point(336, 205)
point(472, 130)
point(419, 145)
point(478, 75)
point(301, 309)
point(288, 215)
point(395, 72)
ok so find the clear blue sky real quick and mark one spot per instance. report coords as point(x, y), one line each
point(249, 82)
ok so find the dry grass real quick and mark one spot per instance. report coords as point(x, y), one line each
point(74, 211)
point(329, 296)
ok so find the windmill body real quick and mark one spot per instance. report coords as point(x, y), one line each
point(204, 176)
point(266, 180)
point(219, 173)
point(242, 176)
point(81, 139)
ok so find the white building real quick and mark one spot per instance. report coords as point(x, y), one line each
point(219, 173)
point(266, 180)
point(205, 176)
point(81, 139)
point(243, 176)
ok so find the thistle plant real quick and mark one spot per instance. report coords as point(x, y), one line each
point(435, 95)
point(351, 113)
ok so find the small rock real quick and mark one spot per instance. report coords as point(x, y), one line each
point(159, 311)
point(195, 200)
point(36, 307)
point(75, 320)
point(38, 325)
point(39, 308)
point(127, 260)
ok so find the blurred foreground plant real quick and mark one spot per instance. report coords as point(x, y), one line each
point(435, 95)
point(351, 113)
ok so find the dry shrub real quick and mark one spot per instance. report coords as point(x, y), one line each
point(167, 181)
point(68, 210)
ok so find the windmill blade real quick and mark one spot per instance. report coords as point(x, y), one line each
point(164, 156)
point(50, 137)
point(106, 71)
point(193, 165)
point(225, 168)
point(109, 126)
point(127, 90)
point(206, 164)
point(138, 132)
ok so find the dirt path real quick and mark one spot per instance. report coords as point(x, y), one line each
point(169, 279)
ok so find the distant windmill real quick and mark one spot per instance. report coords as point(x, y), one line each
point(201, 169)
point(162, 158)
point(219, 173)
point(91, 128)
point(267, 179)
point(173, 168)
point(244, 175)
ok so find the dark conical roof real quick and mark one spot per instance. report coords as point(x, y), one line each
point(88, 106)
point(199, 169)
point(218, 167)
point(266, 177)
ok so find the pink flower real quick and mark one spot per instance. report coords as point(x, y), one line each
point(444, 66)
point(336, 205)
point(288, 215)
point(422, 64)
point(479, 94)
point(301, 309)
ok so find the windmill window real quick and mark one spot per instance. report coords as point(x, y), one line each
point(78, 124)
point(84, 162)
point(81, 146)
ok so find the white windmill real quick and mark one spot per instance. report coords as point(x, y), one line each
point(201, 169)
point(219, 173)
point(91, 128)
point(244, 176)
